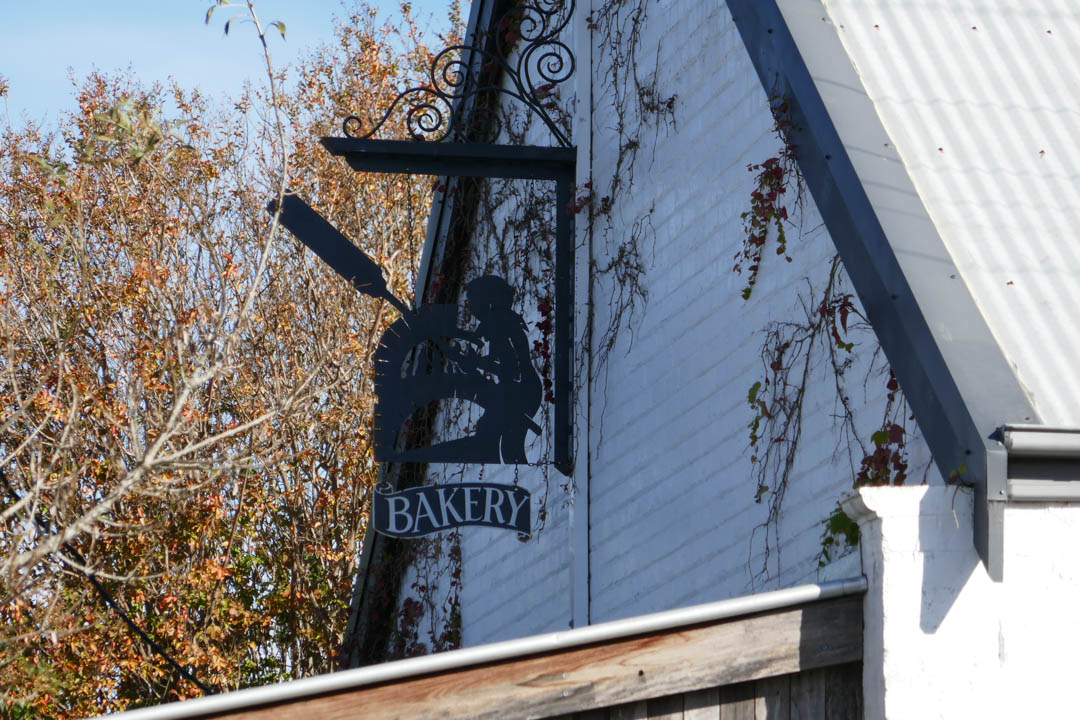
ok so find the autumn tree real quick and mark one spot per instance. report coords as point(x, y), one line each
point(185, 392)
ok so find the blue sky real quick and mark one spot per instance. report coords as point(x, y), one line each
point(41, 42)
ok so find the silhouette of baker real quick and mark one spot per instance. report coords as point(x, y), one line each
point(515, 396)
point(501, 380)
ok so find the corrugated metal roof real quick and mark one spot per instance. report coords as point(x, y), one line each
point(982, 100)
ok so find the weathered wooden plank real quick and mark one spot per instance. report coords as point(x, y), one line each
point(843, 691)
point(630, 711)
point(613, 673)
point(592, 715)
point(702, 705)
point(773, 698)
point(666, 708)
point(738, 702)
point(808, 695)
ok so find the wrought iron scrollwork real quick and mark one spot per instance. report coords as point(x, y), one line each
point(522, 53)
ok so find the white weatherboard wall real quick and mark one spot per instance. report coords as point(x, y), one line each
point(942, 640)
point(511, 588)
point(663, 464)
point(672, 508)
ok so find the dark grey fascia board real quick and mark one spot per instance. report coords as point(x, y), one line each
point(953, 373)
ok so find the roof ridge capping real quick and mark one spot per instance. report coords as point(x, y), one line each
point(949, 364)
point(456, 659)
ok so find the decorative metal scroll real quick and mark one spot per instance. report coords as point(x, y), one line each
point(420, 511)
point(523, 45)
point(429, 355)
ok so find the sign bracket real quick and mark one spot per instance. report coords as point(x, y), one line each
point(558, 164)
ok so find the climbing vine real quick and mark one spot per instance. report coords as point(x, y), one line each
point(792, 351)
point(506, 227)
point(637, 106)
point(768, 215)
point(429, 619)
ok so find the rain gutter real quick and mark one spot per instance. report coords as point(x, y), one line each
point(1043, 463)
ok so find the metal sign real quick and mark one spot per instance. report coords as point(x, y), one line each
point(456, 112)
point(521, 58)
point(428, 355)
point(479, 353)
point(425, 510)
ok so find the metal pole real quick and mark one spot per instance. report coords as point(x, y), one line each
point(564, 320)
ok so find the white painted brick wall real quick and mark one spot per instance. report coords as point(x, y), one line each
point(943, 641)
point(665, 460)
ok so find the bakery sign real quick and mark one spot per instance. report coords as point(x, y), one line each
point(420, 511)
point(431, 353)
point(489, 364)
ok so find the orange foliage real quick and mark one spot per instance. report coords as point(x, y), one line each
point(185, 399)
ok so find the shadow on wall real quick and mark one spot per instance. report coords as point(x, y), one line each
point(949, 556)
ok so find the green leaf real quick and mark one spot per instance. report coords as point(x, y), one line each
point(880, 437)
point(752, 395)
point(280, 26)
